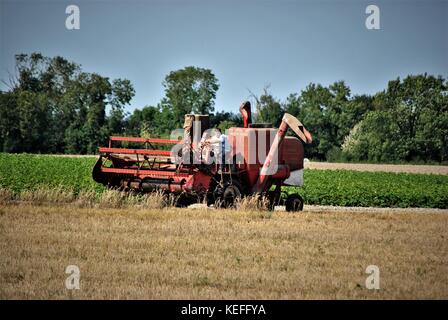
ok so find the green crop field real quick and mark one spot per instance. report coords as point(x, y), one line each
point(375, 189)
point(324, 187)
point(21, 172)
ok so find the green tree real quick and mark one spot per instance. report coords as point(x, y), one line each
point(224, 120)
point(53, 106)
point(34, 117)
point(143, 120)
point(314, 101)
point(121, 94)
point(376, 138)
point(10, 138)
point(188, 90)
point(408, 123)
point(292, 104)
point(268, 108)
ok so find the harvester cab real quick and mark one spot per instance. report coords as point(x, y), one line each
point(258, 161)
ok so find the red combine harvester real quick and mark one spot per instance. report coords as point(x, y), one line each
point(260, 160)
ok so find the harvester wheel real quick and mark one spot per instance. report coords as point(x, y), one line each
point(294, 202)
point(231, 193)
point(183, 201)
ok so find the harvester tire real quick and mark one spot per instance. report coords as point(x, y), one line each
point(294, 202)
point(231, 193)
point(183, 201)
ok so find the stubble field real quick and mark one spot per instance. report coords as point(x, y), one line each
point(212, 254)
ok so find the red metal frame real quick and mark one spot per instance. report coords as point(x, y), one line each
point(135, 169)
point(136, 151)
point(144, 140)
point(136, 172)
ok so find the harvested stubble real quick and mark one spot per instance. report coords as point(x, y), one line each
point(87, 198)
point(182, 253)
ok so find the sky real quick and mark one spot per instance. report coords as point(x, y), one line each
point(248, 44)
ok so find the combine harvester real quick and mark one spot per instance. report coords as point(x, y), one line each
point(261, 160)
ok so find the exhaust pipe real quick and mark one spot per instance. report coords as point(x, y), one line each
point(246, 113)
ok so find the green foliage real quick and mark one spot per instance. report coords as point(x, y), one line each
point(121, 93)
point(224, 120)
point(143, 120)
point(9, 117)
point(373, 189)
point(224, 125)
point(365, 142)
point(21, 172)
point(268, 109)
point(54, 107)
point(188, 90)
point(409, 123)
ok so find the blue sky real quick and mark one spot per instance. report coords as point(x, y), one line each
point(248, 43)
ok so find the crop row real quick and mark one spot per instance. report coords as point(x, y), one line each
point(374, 189)
point(21, 172)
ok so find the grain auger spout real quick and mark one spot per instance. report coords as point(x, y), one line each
point(271, 165)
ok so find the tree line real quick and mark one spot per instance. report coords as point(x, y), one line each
point(406, 122)
point(53, 106)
